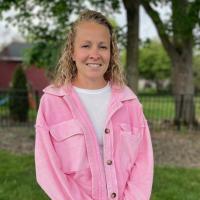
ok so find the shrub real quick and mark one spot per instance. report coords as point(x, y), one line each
point(18, 96)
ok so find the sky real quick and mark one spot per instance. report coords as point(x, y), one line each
point(147, 29)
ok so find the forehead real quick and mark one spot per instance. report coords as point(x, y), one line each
point(89, 30)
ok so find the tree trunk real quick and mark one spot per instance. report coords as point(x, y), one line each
point(182, 72)
point(132, 11)
point(183, 88)
point(178, 46)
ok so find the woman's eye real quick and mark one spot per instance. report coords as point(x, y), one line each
point(103, 47)
point(85, 46)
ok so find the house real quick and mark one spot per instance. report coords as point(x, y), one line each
point(10, 58)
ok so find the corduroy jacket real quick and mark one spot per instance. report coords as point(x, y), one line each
point(68, 162)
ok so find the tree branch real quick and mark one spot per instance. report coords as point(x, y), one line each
point(193, 13)
point(159, 26)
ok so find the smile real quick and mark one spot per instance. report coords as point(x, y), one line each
point(94, 65)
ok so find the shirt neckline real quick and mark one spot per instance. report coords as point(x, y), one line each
point(93, 91)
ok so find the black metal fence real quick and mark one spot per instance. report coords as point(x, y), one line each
point(6, 110)
point(159, 110)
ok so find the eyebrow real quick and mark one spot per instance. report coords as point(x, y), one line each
point(88, 41)
point(102, 43)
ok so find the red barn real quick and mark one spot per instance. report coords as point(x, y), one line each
point(10, 58)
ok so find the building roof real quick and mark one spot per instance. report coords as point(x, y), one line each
point(14, 51)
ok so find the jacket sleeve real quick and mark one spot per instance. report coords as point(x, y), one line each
point(140, 181)
point(48, 171)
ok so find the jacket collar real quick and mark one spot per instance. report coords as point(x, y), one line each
point(123, 93)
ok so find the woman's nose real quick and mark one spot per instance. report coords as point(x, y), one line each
point(94, 54)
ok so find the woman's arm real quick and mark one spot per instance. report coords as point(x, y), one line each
point(140, 180)
point(48, 173)
point(48, 167)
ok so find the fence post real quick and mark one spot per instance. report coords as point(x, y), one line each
point(180, 112)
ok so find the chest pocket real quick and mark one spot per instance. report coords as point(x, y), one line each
point(69, 142)
point(130, 138)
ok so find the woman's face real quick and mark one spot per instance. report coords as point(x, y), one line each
point(91, 53)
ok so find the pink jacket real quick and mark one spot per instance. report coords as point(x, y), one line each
point(68, 162)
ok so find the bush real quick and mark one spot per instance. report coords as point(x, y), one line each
point(18, 97)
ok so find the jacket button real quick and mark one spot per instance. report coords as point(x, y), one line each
point(113, 195)
point(107, 130)
point(109, 162)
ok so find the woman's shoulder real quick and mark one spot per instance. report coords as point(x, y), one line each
point(51, 95)
point(54, 90)
point(125, 92)
point(52, 100)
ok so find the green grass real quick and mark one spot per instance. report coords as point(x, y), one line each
point(17, 178)
point(4, 114)
point(32, 114)
point(172, 183)
point(17, 181)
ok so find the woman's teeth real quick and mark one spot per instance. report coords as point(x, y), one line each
point(94, 65)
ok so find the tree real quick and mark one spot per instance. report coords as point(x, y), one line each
point(43, 55)
point(18, 97)
point(132, 13)
point(177, 36)
point(154, 63)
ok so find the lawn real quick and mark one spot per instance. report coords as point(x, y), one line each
point(17, 181)
point(17, 178)
point(172, 183)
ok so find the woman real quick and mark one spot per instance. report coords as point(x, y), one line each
point(92, 139)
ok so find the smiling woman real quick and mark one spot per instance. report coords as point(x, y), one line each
point(90, 35)
point(91, 54)
point(92, 139)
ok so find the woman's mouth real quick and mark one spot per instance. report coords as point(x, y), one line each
point(94, 65)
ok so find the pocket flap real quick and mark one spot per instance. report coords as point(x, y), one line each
point(65, 129)
point(125, 127)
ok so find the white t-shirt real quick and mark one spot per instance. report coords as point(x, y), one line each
point(96, 104)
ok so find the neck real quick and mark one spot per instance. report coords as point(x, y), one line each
point(89, 84)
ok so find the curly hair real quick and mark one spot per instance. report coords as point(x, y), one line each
point(66, 69)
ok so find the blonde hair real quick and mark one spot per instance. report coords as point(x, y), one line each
point(66, 69)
